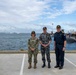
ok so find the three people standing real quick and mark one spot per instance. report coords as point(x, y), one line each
point(45, 40)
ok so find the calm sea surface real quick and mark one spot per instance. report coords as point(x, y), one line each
point(19, 41)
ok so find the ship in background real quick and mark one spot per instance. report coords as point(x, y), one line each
point(70, 36)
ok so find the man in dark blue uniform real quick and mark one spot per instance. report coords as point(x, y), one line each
point(45, 40)
point(60, 45)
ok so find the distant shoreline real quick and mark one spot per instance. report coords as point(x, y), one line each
point(15, 41)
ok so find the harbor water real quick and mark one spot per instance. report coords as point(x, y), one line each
point(16, 41)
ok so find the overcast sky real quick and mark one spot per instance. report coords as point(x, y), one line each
point(27, 15)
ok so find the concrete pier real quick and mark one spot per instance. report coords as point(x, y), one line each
point(17, 64)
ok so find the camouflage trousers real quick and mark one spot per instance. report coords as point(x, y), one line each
point(45, 51)
point(32, 53)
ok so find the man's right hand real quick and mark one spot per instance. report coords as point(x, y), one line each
point(43, 45)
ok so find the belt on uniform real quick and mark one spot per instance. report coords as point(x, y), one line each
point(59, 44)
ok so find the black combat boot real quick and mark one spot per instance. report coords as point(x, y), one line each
point(35, 66)
point(43, 65)
point(49, 66)
point(30, 66)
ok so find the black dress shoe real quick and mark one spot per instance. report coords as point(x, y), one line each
point(61, 67)
point(56, 66)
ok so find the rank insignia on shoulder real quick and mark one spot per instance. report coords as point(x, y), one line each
point(64, 34)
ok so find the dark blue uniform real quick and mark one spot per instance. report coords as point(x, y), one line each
point(59, 38)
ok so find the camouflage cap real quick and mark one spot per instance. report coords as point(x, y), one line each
point(58, 26)
point(33, 32)
point(44, 28)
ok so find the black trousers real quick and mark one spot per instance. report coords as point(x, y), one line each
point(59, 55)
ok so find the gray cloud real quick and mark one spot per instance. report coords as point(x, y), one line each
point(20, 15)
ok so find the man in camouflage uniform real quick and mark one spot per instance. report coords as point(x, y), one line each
point(45, 40)
point(32, 49)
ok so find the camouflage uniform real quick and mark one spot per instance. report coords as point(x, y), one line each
point(33, 43)
point(45, 38)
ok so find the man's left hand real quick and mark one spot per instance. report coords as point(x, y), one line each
point(63, 48)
